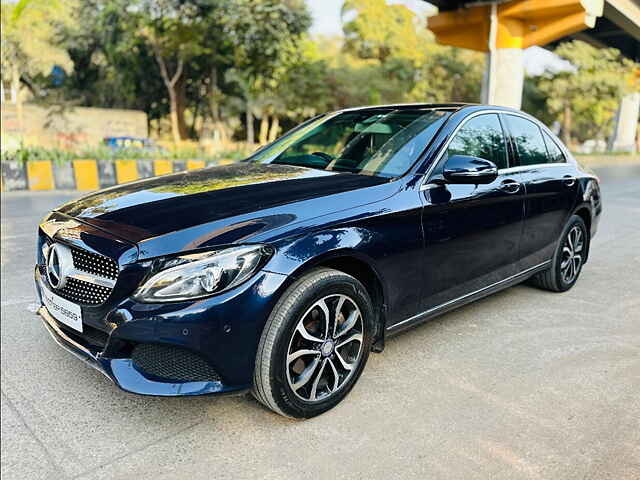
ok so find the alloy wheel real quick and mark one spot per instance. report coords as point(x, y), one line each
point(325, 348)
point(572, 252)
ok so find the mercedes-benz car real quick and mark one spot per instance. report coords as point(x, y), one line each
point(281, 273)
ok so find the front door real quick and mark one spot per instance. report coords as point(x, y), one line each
point(472, 232)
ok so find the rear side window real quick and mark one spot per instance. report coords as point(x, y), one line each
point(529, 143)
point(481, 137)
point(555, 154)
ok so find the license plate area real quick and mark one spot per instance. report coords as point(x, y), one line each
point(61, 309)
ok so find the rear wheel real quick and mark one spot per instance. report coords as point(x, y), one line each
point(568, 259)
point(314, 345)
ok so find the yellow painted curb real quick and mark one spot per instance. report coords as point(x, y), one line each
point(226, 162)
point(162, 167)
point(126, 171)
point(40, 175)
point(194, 164)
point(86, 174)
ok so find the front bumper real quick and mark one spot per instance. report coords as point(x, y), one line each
point(122, 372)
point(224, 330)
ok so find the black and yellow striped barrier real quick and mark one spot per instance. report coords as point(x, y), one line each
point(88, 174)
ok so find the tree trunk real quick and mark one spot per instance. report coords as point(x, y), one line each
point(181, 106)
point(249, 123)
point(173, 103)
point(275, 128)
point(566, 125)
point(264, 129)
point(16, 97)
point(178, 128)
point(214, 94)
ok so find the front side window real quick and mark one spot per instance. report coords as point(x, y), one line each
point(555, 154)
point(481, 137)
point(380, 142)
point(529, 142)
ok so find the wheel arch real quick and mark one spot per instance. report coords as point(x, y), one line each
point(362, 268)
point(584, 212)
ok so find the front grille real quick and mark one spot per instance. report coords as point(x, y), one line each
point(94, 263)
point(172, 363)
point(81, 292)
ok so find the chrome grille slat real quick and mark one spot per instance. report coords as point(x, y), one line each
point(94, 263)
point(84, 293)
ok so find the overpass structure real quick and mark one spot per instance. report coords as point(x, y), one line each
point(504, 28)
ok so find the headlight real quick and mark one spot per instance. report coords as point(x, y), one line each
point(198, 275)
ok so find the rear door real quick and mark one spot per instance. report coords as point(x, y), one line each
point(550, 184)
point(472, 232)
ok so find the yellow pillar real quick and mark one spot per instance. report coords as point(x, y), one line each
point(126, 171)
point(195, 164)
point(40, 175)
point(86, 174)
point(162, 167)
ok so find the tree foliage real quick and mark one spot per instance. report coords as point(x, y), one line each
point(264, 36)
point(375, 29)
point(586, 97)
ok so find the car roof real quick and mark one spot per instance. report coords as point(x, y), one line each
point(452, 106)
point(407, 106)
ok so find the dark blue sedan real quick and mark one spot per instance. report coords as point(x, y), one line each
point(279, 274)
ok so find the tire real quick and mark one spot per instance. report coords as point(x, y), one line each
point(555, 279)
point(289, 379)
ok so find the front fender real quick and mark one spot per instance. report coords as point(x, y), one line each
point(317, 247)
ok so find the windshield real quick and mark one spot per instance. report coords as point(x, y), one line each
point(380, 142)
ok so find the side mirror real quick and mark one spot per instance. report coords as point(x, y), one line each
point(469, 170)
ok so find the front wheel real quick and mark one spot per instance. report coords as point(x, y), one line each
point(315, 344)
point(568, 259)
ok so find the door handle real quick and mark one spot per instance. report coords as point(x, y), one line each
point(568, 180)
point(510, 186)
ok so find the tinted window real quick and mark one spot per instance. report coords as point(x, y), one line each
point(481, 137)
point(529, 142)
point(382, 142)
point(555, 154)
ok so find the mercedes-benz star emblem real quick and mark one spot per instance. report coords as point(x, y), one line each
point(57, 265)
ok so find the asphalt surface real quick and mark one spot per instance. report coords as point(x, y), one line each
point(524, 384)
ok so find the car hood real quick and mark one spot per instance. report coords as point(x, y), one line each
point(220, 205)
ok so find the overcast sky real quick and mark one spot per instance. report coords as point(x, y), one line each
point(326, 21)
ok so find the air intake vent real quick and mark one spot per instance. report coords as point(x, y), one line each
point(173, 363)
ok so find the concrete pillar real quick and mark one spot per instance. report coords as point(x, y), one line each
point(504, 29)
point(504, 77)
point(626, 126)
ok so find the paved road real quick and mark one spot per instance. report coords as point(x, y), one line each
point(522, 385)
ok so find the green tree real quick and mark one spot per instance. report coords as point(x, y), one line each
point(375, 29)
point(301, 92)
point(29, 48)
point(111, 64)
point(586, 97)
point(177, 31)
point(399, 59)
point(263, 36)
